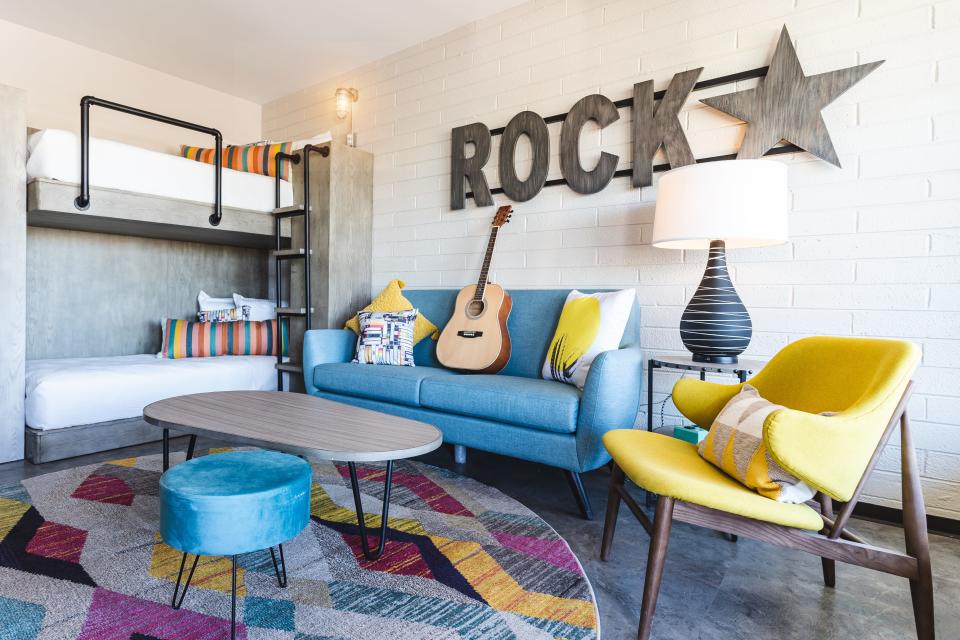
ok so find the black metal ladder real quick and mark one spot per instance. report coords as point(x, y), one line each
point(281, 255)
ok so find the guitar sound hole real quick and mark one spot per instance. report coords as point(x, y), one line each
point(475, 308)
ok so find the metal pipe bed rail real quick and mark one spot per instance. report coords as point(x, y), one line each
point(82, 201)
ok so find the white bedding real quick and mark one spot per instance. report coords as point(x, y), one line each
point(72, 391)
point(55, 154)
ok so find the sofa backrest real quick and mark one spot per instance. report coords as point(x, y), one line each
point(532, 323)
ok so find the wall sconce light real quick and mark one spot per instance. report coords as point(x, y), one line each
point(345, 100)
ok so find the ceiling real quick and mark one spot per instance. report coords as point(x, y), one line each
point(254, 49)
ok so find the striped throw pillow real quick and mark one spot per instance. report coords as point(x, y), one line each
point(189, 339)
point(735, 445)
point(225, 315)
point(252, 158)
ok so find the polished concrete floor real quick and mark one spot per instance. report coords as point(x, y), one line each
point(712, 589)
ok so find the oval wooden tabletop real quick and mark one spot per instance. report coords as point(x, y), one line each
point(297, 423)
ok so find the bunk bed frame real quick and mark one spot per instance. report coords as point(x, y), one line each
point(336, 192)
point(55, 204)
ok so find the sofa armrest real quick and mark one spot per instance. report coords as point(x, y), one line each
point(610, 400)
point(321, 346)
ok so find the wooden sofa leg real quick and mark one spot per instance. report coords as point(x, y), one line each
point(658, 554)
point(613, 510)
point(576, 485)
point(915, 535)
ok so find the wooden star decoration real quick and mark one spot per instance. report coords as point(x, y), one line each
point(786, 104)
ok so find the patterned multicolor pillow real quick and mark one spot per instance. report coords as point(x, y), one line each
point(225, 315)
point(735, 445)
point(188, 339)
point(386, 337)
point(253, 158)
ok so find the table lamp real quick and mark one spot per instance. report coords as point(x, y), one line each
point(719, 205)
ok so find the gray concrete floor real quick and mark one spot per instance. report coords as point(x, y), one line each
point(712, 589)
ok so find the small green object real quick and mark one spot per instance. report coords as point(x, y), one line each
point(690, 433)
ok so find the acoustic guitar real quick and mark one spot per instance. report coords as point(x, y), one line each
point(476, 337)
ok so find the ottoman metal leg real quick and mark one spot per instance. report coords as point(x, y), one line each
point(361, 521)
point(183, 562)
point(280, 570)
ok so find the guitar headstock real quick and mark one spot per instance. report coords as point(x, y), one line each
point(502, 216)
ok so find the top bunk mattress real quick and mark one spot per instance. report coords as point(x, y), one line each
point(65, 392)
point(55, 154)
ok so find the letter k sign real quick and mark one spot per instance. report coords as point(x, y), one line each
point(658, 125)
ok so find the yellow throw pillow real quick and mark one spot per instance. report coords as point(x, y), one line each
point(392, 299)
point(735, 445)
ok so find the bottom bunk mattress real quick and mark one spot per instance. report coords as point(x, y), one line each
point(66, 392)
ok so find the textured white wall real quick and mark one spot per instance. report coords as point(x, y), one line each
point(875, 246)
point(56, 73)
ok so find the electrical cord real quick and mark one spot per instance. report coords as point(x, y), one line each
point(663, 405)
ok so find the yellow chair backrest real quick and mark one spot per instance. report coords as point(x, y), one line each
point(859, 380)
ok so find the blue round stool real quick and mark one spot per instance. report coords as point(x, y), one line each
point(229, 504)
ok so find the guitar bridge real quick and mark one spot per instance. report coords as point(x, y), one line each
point(470, 334)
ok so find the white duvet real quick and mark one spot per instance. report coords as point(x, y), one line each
point(72, 391)
point(55, 154)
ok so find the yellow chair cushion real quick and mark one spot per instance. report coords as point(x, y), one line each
point(670, 467)
point(392, 299)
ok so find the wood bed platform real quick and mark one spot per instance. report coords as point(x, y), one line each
point(50, 204)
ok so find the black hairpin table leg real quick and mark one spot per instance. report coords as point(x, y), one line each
point(166, 449)
point(361, 521)
point(192, 446)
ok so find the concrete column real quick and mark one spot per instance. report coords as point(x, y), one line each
point(13, 261)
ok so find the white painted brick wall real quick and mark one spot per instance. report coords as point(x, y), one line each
point(875, 246)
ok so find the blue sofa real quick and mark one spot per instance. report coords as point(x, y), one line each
point(514, 413)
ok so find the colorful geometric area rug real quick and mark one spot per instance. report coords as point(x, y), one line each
point(80, 558)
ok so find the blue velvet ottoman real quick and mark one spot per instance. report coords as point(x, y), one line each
point(229, 504)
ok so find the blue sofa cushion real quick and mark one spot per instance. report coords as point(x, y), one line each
point(400, 385)
point(546, 405)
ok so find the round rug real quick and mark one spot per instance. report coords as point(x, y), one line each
point(80, 557)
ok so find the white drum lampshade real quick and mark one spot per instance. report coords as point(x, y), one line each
point(715, 205)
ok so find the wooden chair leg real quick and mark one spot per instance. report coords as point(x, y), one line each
point(915, 535)
point(613, 510)
point(658, 554)
point(829, 566)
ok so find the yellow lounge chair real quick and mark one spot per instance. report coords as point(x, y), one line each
point(866, 382)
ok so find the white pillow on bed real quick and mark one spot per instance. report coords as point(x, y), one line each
point(209, 303)
point(259, 309)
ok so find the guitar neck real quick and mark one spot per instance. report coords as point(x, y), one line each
point(482, 282)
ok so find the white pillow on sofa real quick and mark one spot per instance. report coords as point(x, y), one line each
point(259, 309)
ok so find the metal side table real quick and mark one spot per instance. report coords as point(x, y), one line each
point(741, 369)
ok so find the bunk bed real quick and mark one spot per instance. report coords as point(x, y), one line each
point(146, 193)
point(78, 405)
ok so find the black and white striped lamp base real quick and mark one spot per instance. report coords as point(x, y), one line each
point(715, 326)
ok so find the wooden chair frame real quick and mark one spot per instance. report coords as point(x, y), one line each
point(834, 542)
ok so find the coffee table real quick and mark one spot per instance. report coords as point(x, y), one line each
point(303, 425)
